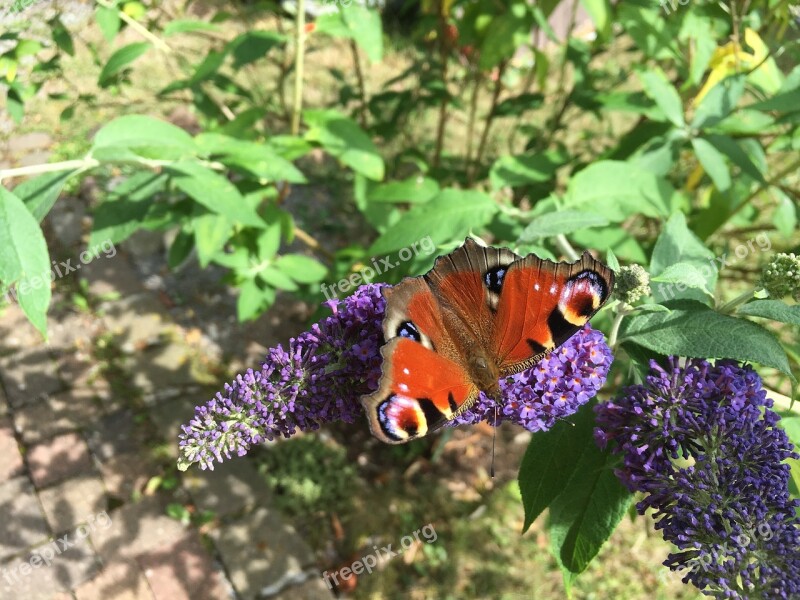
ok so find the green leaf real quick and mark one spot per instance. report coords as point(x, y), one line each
point(180, 249)
point(791, 425)
point(133, 136)
point(719, 102)
point(449, 216)
point(249, 47)
point(506, 32)
point(258, 159)
point(27, 48)
point(783, 102)
point(524, 169)
point(40, 193)
point(692, 329)
point(745, 122)
point(730, 148)
point(678, 244)
point(772, 309)
point(785, 216)
point(612, 261)
point(345, 140)
point(549, 462)
point(118, 61)
point(650, 307)
point(561, 222)
point(252, 300)
point(713, 163)
point(413, 190)
point(205, 70)
point(188, 26)
point(586, 512)
point(303, 269)
point(61, 36)
point(357, 23)
point(215, 192)
point(269, 242)
point(367, 30)
point(657, 86)
point(211, 231)
point(635, 102)
point(618, 189)
point(276, 278)
point(15, 105)
point(687, 274)
point(124, 209)
point(517, 105)
point(24, 259)
point(601, 12)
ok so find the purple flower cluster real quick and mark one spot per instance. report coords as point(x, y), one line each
point(701, 441)
point(324, 372)
point(318, 379)
point(552, 389)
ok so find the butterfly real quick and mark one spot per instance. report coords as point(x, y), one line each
point(481, 313)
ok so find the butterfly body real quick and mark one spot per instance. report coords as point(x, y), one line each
point(480, 314)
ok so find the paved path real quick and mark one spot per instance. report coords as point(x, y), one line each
point(85, 441)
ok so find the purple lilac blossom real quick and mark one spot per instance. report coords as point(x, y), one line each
point(324, 372)
point(701, 442)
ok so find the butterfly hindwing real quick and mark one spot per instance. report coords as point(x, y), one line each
point(419, 391)
point(542, 304)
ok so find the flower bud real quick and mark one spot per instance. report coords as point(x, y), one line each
point(632, 283)
point(781, 276)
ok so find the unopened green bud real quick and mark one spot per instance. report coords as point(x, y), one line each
point(633, 282)
point(781, 276)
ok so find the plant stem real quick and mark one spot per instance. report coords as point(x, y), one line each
point(67, 165)
point(740, 299)
point(498, 88)
point(362, 89)
point(312, 243)
point(84, 164)
point(473, 109)
point(300, 33)
point(440, 128)
point(566, 248)
point(560, 108)
point(137, 27)
point(621, 313)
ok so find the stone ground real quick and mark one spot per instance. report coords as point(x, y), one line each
point(88, 437)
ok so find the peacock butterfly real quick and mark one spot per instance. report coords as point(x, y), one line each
point(480, 314)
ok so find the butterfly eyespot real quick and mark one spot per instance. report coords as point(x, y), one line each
point(408, 330)
point(402, 418)
point(493, 279)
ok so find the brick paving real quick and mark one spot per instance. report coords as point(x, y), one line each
point(88, 463)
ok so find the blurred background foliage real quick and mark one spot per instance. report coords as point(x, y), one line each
point(291, 144)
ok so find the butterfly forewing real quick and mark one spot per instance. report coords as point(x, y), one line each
point(543, 304)
point(468, 282)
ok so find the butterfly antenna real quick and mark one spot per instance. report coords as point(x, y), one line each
point(494, 439)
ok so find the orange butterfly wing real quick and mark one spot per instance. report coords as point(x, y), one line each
point(422, 384)
point(420, 390)
point(543, 304)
